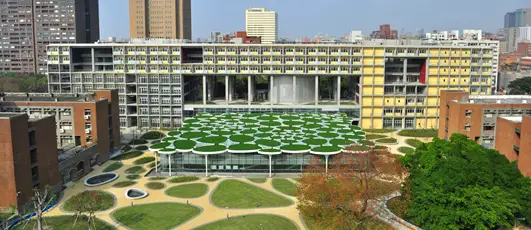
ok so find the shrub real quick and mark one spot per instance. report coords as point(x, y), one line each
point(210, 179)
point(123, 184)
point(133, 177)
point(155, 141)
point(418, 133)
point(379, 130)
point(126, 148)
point(366, 142)
point(152, 135)
point(398, 206)
point(141, 147)
point(405, 149)
point(135, 170)
point(389, 140)
point(105, 200)
point(113, 166)
point(143, 160)
point(155, 185)
point(413, 142)
point(138, 142)
point(183, 179)
point(127, 156)
point(374, 136)
point(158, 178)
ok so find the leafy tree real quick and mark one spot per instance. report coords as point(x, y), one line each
point(341, 198)
point(459, 184)
point(86, 205)
point(11, 82)
point(520, 86)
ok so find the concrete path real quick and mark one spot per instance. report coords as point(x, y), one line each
point(393, 148)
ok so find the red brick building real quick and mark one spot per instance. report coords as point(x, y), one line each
point(513, 139)
point(28, 157)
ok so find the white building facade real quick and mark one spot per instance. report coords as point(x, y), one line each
point(260, 22)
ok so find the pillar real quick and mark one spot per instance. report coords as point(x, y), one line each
point(169, 163)
point(271, 85)
point(316, 90)
point(204, 90)
point(231, 87)
point(326, 164)
point(405, 71)
point(206, 165)
point(210, 87)
point(249, 93)
point(338, 90)
point(294, 89)
point(270, 166)
point(227, 89)
point(156, 164)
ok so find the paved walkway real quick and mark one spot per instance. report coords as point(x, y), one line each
point(393, 148)
point(210, 212)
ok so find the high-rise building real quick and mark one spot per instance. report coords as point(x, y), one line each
point(171, 19)
point(518, 18)
point(385, 32)
point(27, 26)
point(262, 23)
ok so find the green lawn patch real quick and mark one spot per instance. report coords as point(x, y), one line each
point(141, 147)
point(258, 180)
point(413, 142)
point(389, 140)
point(211, 148)
point(379, 130)
point(65, 222)
point(135, 170)
point(138, 142)
point(237, 194)
point(405, 149)
point(184, 144)
point(211, 179)
point(341, 142)
point(155, 216)
point(106, 200)
point(326, 149)
point(295, 147)
point(213, 139)
point(155, 178)
point(123, 184)
point(316, 141)
point(193, 190)
point(143, 160)
point(244, 147)
point(152, 135)
point(113, 166)
point(328, 135)
point(133, 177)
point(418, 132)
point(155, 185)
point(241, 138)
point(127, 156)
point(285, 186)
point(183, 179)
point(266, 142)
point(253, 221)
point(152, 165)
point(374, 136)
point(161, 145)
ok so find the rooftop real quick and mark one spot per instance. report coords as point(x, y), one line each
point(500, 99)
point(47, 97)
point(10, 115)
point(513, 119)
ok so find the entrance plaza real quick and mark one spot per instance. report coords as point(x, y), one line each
point(254, 143)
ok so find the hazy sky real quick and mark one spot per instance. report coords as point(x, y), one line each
point(298, 18)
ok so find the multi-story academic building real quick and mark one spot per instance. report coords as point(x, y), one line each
point(381, 84)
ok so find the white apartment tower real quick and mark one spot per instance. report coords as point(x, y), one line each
point(260, 22)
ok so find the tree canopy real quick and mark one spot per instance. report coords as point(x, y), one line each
point(459, 184)
point(520, 86)
point(11, 82)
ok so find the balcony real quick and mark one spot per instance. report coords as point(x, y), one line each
point(516, 148)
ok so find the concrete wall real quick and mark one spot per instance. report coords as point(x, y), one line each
point(283, 90)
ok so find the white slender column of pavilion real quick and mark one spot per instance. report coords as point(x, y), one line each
point(294, 89)
point(316, 90)
point(338, 90)
point(204, 90)
point(169, 162)
point(227, 90)
point(271, 82)
point(206, 165)
point(270, 154)
point(327, 155)
point(249, 96)
point(156, 163)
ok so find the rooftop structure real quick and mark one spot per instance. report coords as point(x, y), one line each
point(513, 139)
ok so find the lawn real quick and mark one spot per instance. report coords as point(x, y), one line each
point(133, 177)
point(65, 222)
point(155, 185)
point(113, 166)
point(156, 216)
point(188, 190)
point(418, 132)
point(135, 170)
point(379, 130)
point(258, 180)
point(413, 142)
point(237, 194)
point(141, 147)
point(144, 160)
point(374, 136)
point(152, 135)
point(258, 221)
point(369, 223)
point(123, 184)
point(285, 186)
point(127, 156)
point(211, 179)
point(405, 149)
point(106, 200)
point(183, 179)
point(389, 140)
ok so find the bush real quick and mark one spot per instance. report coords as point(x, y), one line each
point(183, 179)
point(105, 200)
point(418, 133)
point(379, 130)
point(133, 177)
point(138, 142)
point(152, 135)
point(366, 142)
point(398, 206)
point(113, 166)
point(124, 184)
point(405, 150)
point(155, 185)
point(143, 160)
point(141, 147)
point(135, 170)
point(126, 148)
point(127, 156)
point(374, 136)
point(158, 178)
point(389, 140)
point(210, 179)
point(413, 142)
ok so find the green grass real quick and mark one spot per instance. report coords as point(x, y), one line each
point(326, 149)
point(161, 145)
point(237, 194)
point(143, 160)
point(253, 221)
point(374, 136)
point(129, 155)
point(126, 148)
point(379, 130)
point(315, 141)
point(154, 178)
point(213, 139)
point(113, 166)
point(135, 170)
point(152, 165)
point(414, 143)
point(418, 132)
point(138, 142)
point(133, 177)
point(152, 135)
point(244, 147)
point(123, 184)
point(211, 179)
point(65, 222)
point(241, 138)
point(155, 185)
point(405, 149)
point(369, 224)
point(156, 216)
point(193, 190)
point(389, 140)
point(141, 147)
point(258, 180)
point(106, 200)
point(295, 147)
point(211, 148)
point(285, 186)
point(183, 179)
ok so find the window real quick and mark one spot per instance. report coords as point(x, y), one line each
point(467, 127)
point(468, 113)
point(388, 111)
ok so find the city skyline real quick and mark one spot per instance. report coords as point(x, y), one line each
point(311, 20)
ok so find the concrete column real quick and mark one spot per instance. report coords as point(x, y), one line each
point(204, 90)
point(326, 164)
point(405, 71)
point(294, 89)
point(231, 87)
point(169, 162)
point(253, 87)
point(206, 165)
point(269, 166)
point(210, 87)
point(156, 163)
point(334, 88)
point(316, 90)
point(338, 90)
point(249, 93)
point(271, 83)
point(227, 89)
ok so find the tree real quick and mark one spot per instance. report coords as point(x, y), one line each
point(85, 206)
point(40, 200)
point(459, 184)
point(340, 199)
point(520, 86)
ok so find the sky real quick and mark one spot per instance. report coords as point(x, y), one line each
point(300, 18)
